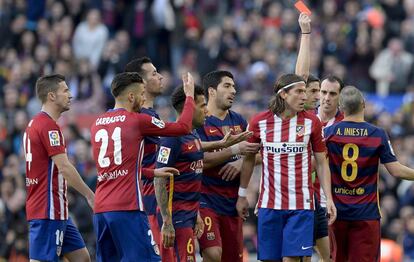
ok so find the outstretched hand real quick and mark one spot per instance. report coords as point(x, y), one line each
point(188, 84)
point(229, 139)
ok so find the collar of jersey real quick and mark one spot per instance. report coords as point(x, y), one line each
point(116, 109)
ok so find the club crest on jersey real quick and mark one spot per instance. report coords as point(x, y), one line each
point(157, 122)
point(58, 250)
point(300, 130)
point(164, 155)
point(211, 236)
point(237, 129)
point(54, 138)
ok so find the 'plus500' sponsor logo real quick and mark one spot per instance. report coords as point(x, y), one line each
point(280, 148)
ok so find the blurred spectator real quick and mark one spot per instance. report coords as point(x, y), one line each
point(90, 38)
point(391, 68)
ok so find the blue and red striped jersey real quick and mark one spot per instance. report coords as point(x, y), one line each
point(217, 194)
point(355, 149)
point(185, 154)
point(148, 162)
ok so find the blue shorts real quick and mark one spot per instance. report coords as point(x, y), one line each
point(321, 222)
point(124, 236)
point(284, 233)
point(48, 239)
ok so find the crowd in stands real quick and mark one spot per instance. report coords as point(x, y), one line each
point(368, 43)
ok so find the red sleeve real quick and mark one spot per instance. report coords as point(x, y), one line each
point(151, 126)
point(317, 140)
point(52, 139)
point(148, 172)
point(254, 127)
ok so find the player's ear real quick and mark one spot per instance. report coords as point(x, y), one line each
point(211, 92)
point(130, 96)
point(283, 94)
point(51, 96)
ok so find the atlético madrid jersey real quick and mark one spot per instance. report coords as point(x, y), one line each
point(320, 195)
point(148, 162)
point(288, 144)
point(117, 138)
point(46, 187)
point(216, 193)
point(355, 149)
point(185, 154)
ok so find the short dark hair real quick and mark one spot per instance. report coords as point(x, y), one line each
point(311, 79)
point(351, 100)
point(277, 104)
point(333, 78)
point(178, 96)
point(122, 80)
point(46, 84)
point(136, 65)
point(213, 79)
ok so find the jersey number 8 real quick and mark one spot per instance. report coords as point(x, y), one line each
point(349, 160)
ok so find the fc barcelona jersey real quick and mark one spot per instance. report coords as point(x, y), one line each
point(355, 150)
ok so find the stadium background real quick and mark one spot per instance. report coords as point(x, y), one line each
point(368, 43)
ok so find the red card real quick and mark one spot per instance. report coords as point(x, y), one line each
point(300, 5)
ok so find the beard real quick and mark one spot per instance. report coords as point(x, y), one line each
point(224, 105)
point(136, 107)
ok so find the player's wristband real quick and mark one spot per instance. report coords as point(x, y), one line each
point(242, 192)
point(307, 33)
point(235, 149)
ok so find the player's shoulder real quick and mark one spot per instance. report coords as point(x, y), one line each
point(262, 116)
point(43, 121)
point(330, 129)
point(236, 115)
point(149, 111)
point(374, 130)
point(311, 111)
point(309, 114)
point(171, 139)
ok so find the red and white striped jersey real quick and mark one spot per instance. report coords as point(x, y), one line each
point(117, 139)
point(46, 188)
point(317, 185)
point(286, 182)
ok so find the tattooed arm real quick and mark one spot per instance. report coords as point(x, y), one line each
point(167, 230)
point(168, 152)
